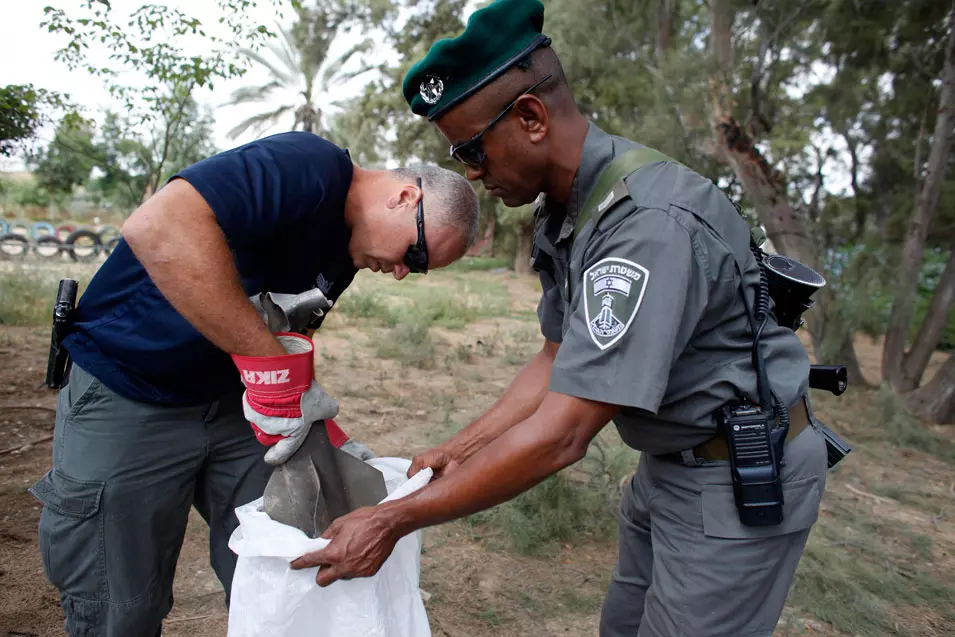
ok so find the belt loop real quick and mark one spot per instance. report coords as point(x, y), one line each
point(212, 412)
point(690, 459)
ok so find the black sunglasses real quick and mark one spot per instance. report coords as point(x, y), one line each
point(471, 152)
point(416, 257)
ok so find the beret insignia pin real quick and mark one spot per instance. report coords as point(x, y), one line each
point(431, 89)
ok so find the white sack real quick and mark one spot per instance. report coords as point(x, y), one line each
point(269, 599)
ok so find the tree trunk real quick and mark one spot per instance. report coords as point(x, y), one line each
point(915, 361)
point(721, 38)
point(664, 17)
point(935, 402)
point(832, 341)
point(903, 297)
point(525, 241)
point(784, 227)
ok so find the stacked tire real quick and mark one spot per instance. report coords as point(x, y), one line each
point(48, 242)
point(110, 236)
point(83, 245)
point(14, 245)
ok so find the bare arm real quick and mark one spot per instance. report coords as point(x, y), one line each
point(176, 237)
point(556, 436)
point(521, 399)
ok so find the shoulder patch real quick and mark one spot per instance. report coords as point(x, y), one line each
point(613, 290)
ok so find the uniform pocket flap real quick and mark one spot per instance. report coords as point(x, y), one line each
point(68, 496)
point(800, 510)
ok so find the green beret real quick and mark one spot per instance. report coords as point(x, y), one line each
point(495, 39)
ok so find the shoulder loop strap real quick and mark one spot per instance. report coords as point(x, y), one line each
point(627, 163)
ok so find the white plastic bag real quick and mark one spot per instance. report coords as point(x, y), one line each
point(269, 599)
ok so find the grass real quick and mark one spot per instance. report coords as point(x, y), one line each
point(475, 264)
point(27, 299)
point(408, 343)
point(574, 506)
point(454, 302)
point(879, 421)
point(851, 581)
point(880, 572)
point(901, 429)
point(556, 510)
point(358, 304)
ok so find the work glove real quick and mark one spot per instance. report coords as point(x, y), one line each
point(282, 399)
point(357, 449)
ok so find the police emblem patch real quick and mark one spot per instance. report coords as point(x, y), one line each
point(613, 290)
point(431, 89)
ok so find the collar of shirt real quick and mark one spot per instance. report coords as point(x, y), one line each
point(597, 153)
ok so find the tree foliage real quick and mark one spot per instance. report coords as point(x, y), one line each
point(23, 110)
point(299, 64)
point(123, 161)
point(134, 160)
point(68, 160)
point(152, 59)
point(151, 44)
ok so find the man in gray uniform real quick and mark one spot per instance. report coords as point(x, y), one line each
point(645, 324)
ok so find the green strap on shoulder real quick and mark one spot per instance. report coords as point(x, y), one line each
point(619, 168)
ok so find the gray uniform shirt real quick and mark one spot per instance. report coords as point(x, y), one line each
point(646, 305)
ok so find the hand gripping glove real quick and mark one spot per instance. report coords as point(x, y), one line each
point(282, 399)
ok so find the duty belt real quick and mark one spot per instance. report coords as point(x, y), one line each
point(716, 449)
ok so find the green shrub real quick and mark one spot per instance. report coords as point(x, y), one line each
point(473, 264)
point(559, 509)
point(410, 344)
point(366, 305)
point(576, 503)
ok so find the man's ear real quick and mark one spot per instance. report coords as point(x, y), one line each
point(407, 196)
point(534, 118)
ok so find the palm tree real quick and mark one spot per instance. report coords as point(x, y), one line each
point(300, 67)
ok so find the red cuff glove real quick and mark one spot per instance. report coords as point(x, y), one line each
point(282, 399)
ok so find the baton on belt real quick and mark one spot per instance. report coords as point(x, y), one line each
point(58, 361)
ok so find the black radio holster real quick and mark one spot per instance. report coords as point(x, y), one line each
point(755, 451)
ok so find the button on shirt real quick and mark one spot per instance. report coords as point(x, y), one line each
point(647, 306)
point(280, 203)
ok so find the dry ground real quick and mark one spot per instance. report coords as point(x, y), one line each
point(881, 560)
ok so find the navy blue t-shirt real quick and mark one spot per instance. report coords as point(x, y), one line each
point(280, 202)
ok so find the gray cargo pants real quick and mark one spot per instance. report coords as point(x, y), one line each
point(688, 568)
point(115, 505)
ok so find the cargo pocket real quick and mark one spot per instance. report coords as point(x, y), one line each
point(801, 500)
point(71, 535)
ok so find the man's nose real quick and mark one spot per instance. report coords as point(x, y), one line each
point(472, 173)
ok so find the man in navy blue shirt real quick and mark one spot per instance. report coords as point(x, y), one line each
point(156, 417)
